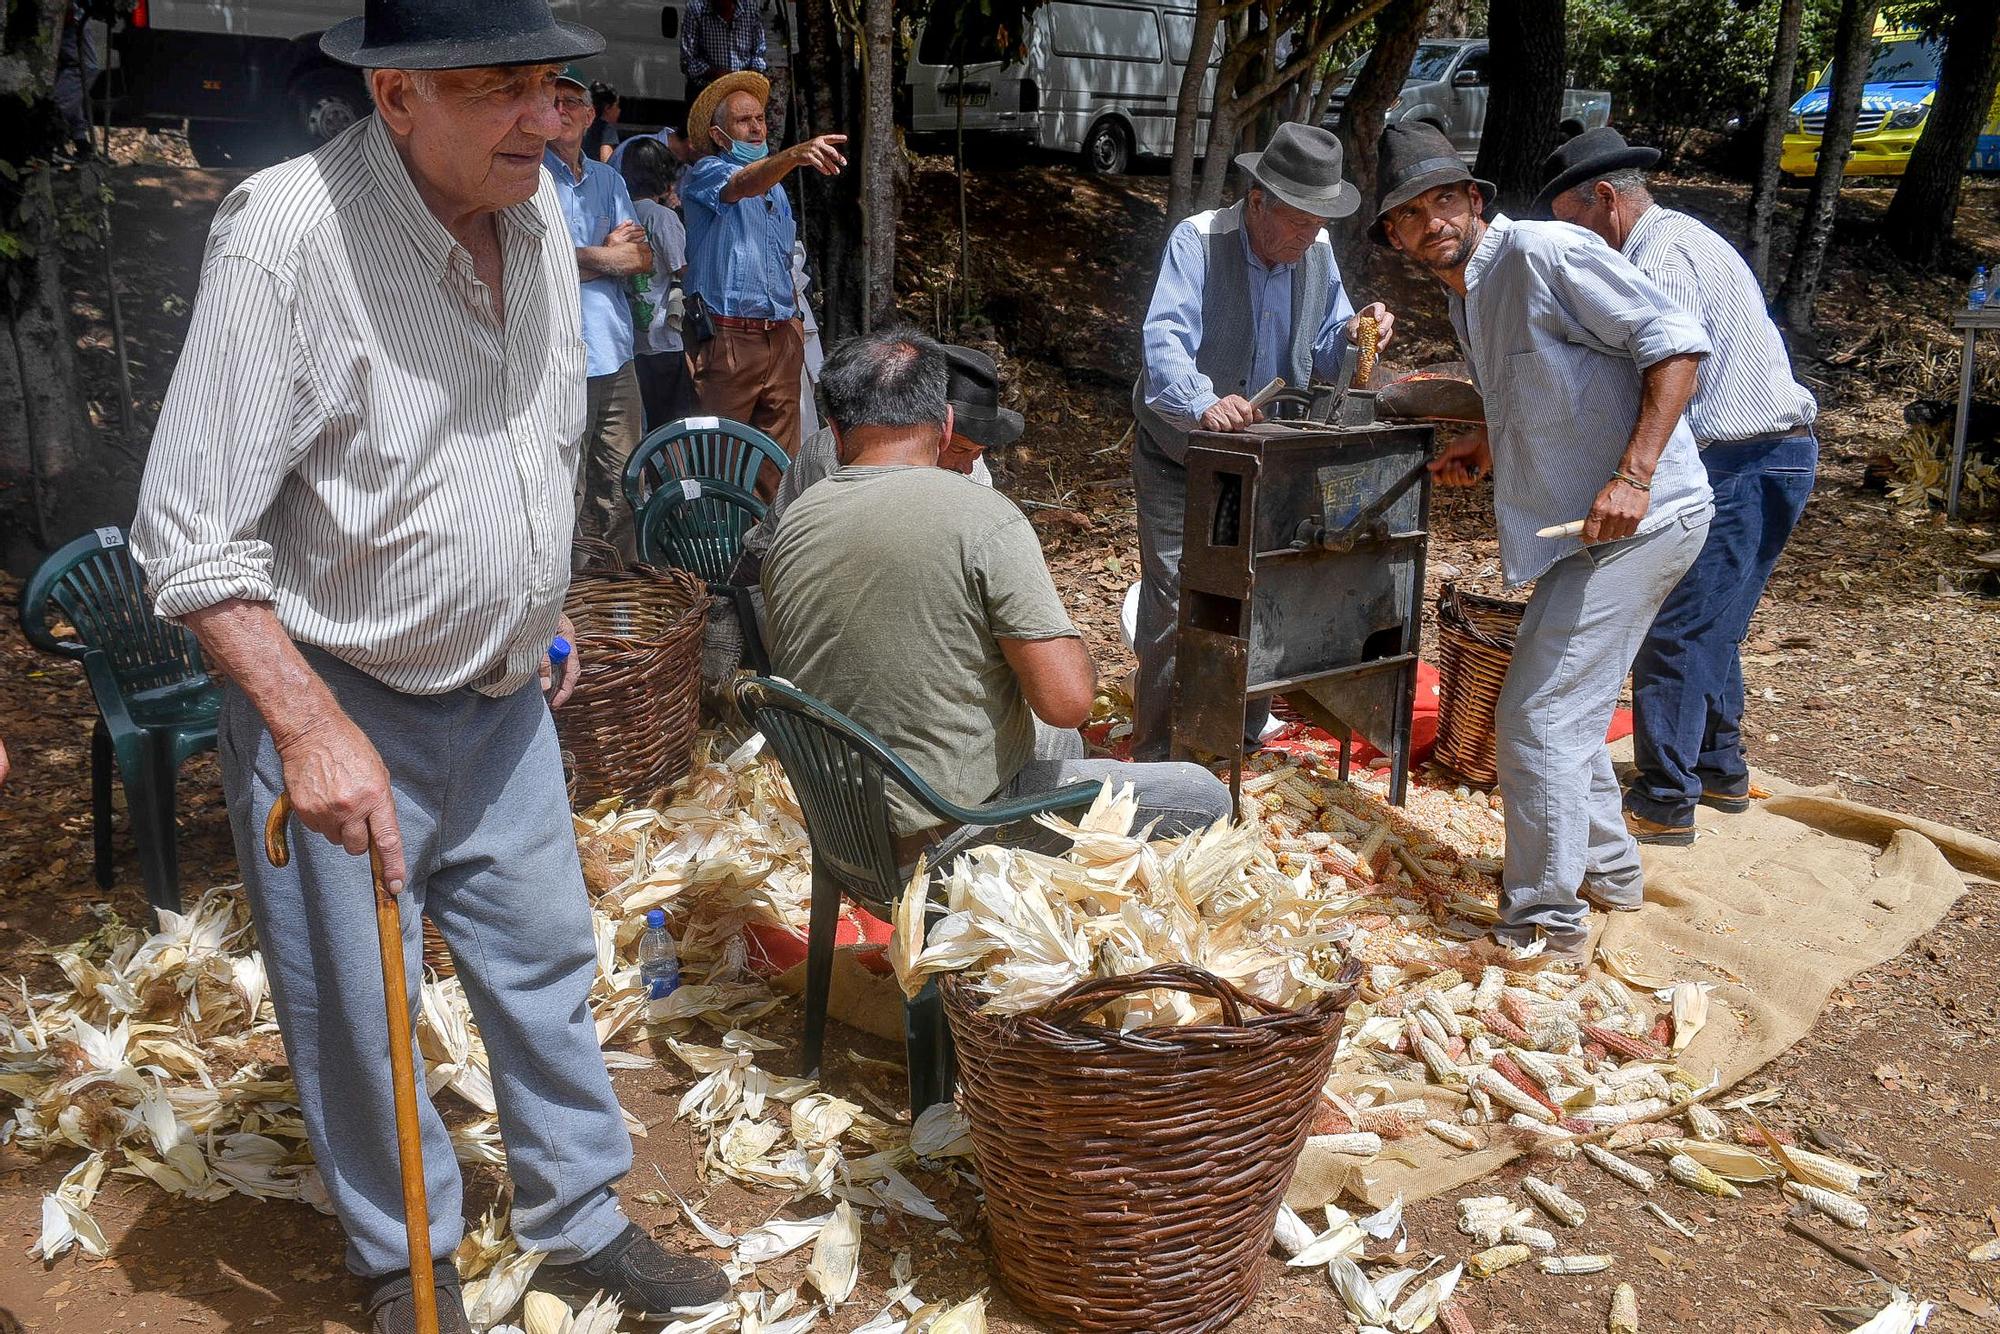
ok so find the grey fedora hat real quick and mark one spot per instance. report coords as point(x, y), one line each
point(457, 34)
point(1590, 155)
point(1301, 167)
point(1415, 157)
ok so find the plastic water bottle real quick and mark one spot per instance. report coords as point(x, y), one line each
point(559, 651)
point(659, 961)
point(1975, 296)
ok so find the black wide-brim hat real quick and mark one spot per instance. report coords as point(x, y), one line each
point(1415, 157)
point(1587, 157)
point(974, 395)
point(1301, 166)
point(457, 34)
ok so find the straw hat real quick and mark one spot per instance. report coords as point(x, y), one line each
point(702, 113)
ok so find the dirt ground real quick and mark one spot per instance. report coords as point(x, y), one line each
point(1867, 667)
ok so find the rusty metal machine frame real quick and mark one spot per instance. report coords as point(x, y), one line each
point(1302, 574)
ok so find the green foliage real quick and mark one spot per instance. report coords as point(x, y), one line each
point(1679, 65)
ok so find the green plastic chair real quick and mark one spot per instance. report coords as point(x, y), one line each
point(698, 526)
point(703, 449)
point(839, 771)
point(156, 705)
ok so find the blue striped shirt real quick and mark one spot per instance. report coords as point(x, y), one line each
point(1556, 328)
point(1746, 388)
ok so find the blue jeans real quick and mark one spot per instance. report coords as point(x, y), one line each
point(1687, 682)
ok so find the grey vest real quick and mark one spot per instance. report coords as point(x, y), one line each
point(1227, 336)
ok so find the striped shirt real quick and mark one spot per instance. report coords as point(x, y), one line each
point(1746, 389)
point(1556, 329)
point(354, 437)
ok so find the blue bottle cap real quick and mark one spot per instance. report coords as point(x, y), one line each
point(559, 650)
point(656, 917)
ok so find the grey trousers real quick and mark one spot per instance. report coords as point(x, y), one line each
point(614, 424)
point(1565, 821)
point(492, 860)
point(1159, 489)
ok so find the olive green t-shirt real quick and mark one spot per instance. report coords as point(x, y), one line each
point(887, 591)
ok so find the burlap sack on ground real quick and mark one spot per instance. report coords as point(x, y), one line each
point(1777, 908)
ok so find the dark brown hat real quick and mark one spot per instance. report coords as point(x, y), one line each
point(1416, 157)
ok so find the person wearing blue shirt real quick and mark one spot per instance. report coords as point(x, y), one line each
point(1246, 295)
point(740, 234)
point(610, 248)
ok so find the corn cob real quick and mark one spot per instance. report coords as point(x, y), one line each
point(1441, 1066)
point(1842, 1209)
point(1367, 334)
point(1624, 1044)
point(1505, 1029)
point(1624, 1315)
point(1543, 1130)
point(1574, 1264)
point(1831, 1173)
point(1618, 1114)
point(1504, 1066)
point(1456, 1136)
point(1453, 1319)
point(1663, 1030)
point(1557, 1204)
point(1667, 1218)
point(1427, 1023)
point(1534, 1238)
point(1541, 1067)
point(1493, 1259)
point(1705, 1124)
point(1696, 1177)
point(1514, 1005)
point(1498, 1089)
point(1492, 981)
point(1630, 1173)
point(1986, 1250)
point(1363, 1144)
point(1440, 1009)
point(1381, 1121)
point(1481, 1109)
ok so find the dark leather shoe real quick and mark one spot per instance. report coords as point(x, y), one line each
point(649, 1280)
point(393, 1309)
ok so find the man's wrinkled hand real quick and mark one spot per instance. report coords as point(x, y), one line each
point(1230, 414)
point(340, 790)
point(572, 667)
point(1385, 324)
point(1465, 461)
point(822, 154)
point(1618, 510)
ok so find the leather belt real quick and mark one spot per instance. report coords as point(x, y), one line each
point(748, 323)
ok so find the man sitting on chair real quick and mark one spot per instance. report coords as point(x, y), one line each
point(917, 602)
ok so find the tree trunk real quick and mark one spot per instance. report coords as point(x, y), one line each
point(1397, 31)
point(830, 206)
point(1852, 38)
point(878, 162)
point(1224, 111)
point(1187, 110)
point(1524, 106)
point(44, 439)
point(1777, 110)
point(1925, 207)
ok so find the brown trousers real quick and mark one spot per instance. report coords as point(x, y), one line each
point(613, 426)
point(752, 376)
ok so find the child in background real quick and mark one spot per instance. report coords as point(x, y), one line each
point(664, 382)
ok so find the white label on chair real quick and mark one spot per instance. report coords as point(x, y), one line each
point(110, 537)
point(690, 489)
point(701, 423)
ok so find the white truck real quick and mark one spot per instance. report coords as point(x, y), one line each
point(248, 78)
point(1099, 80)
point(1447, 87)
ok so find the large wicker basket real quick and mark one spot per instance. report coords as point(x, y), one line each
point(628, 729)
point(1132, 1179)
point(1475, 648)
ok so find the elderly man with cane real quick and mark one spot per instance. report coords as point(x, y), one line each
point(359, 498)
point(1246, 294)
point(1753, 421)
point(1586, 369)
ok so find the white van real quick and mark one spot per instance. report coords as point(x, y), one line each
point(1101, 80)
point(248, 77)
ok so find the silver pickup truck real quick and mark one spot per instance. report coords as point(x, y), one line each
point(1447, 86)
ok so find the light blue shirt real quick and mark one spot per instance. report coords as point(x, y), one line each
point(1556, 327)
point(593, 206)
point(740, 254)
point(1176, 389)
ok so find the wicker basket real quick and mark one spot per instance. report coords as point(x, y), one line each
point(1475, 648)
point(628, 729)
point(1132, 1179)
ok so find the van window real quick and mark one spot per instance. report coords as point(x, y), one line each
point(1105, 31)
point(1902, 60)
point(1180, 36)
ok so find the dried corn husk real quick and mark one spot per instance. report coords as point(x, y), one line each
point(1668, 1219)
point(1903, 1314)
point(835, 1264)
point(1727, 1160)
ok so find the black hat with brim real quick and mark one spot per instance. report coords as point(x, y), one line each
point(974, 395)
point(1415, 158)
point(457, 34)
point(1589, 156)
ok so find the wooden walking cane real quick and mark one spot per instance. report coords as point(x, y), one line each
point(402, 1068)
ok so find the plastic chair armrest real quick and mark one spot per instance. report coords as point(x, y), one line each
point(995, 813)
point(110, 699)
